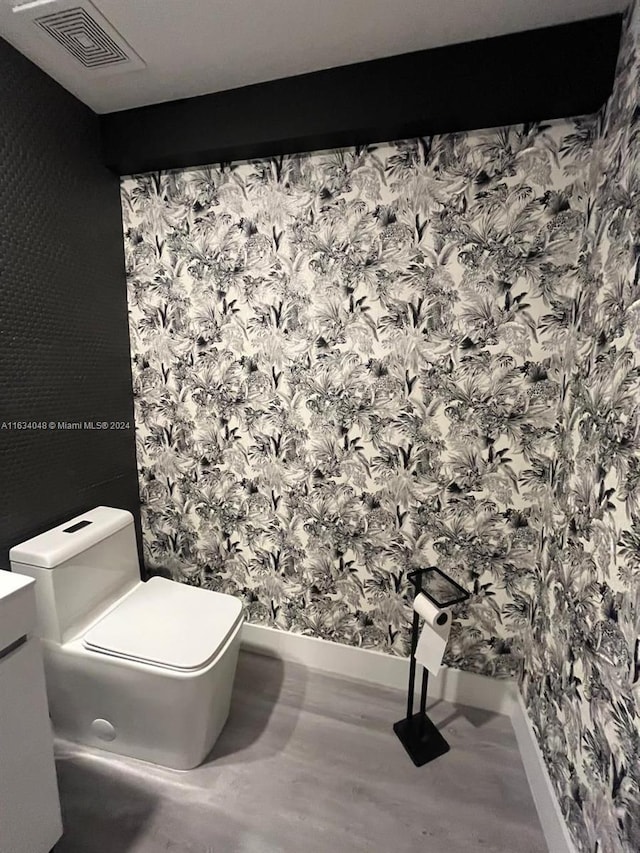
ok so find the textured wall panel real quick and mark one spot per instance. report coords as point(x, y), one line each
point(64, 348)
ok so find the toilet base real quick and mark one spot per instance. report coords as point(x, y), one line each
point(166, 717)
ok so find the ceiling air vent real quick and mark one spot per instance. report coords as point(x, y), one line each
point(78, 33)
point(84, 33)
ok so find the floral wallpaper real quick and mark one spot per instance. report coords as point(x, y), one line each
point(352, 363)
point(344, 366)
point(581, 652)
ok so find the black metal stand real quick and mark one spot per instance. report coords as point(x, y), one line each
point(417, 733)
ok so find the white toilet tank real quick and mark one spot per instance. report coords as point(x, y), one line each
point(80, 567)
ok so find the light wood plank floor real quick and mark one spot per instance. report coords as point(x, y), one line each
point(308, 763)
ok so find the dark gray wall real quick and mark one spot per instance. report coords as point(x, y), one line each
point(64, 347)
point(478, 84)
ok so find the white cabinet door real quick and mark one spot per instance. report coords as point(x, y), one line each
point(29, 803)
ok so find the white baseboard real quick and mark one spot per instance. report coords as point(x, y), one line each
point(500, 696)
point(553, 823)
point(453, 685)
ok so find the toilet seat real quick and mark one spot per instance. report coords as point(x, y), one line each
point(166, 624)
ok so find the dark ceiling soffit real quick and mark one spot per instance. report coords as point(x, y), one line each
point(547, 73)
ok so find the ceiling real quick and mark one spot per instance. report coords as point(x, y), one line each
point(193, 47)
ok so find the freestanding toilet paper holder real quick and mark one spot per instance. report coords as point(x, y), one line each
point(417, 733)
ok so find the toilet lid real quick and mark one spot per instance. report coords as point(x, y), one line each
point(167, 624)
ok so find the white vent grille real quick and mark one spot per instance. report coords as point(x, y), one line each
point(83, 37)
point(83, 32)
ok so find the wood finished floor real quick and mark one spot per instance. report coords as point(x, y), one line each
point(308, 763)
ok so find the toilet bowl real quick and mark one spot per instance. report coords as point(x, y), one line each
point(140, 669)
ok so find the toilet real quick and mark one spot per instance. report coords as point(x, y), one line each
point(140, 669)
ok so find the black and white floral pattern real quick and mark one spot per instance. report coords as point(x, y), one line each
point(581, 653)
point(344, 369)
point(352, 363)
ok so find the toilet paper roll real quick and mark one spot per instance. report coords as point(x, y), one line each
point(434, 634)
